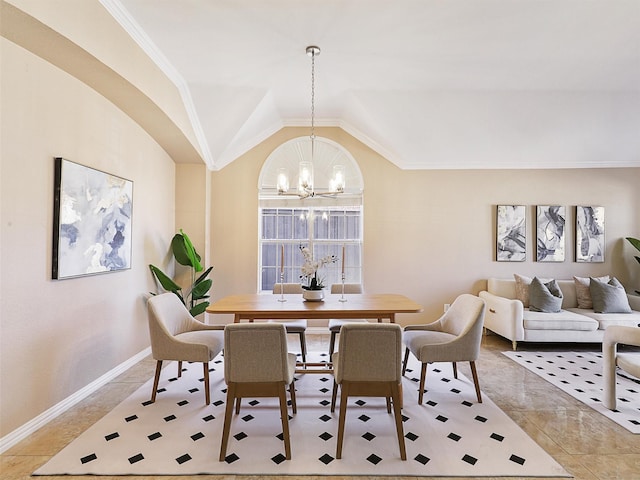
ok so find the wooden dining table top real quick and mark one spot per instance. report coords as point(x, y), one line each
point(271, 306)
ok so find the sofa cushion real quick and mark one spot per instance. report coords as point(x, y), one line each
point(609, 297)
point(544, 297)
point(607, 319)
point(522, 288)
point(583, 292)
point(562, 320)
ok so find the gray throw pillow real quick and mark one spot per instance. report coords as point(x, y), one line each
point(608, 297)
point(544, 297)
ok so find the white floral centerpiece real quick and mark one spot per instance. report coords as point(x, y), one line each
point(310, 269)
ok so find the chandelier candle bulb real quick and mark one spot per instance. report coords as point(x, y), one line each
point(283, 180)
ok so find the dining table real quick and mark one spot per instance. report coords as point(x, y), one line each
point(256, 306)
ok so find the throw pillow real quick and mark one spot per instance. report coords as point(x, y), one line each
point(522, 288)
point(583, 294)
point(544, 297)
point(609, 297)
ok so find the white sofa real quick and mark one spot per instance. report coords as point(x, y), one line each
point(507, 316)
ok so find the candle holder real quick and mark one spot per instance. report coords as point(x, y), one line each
point(342, 299)
point(282, 299)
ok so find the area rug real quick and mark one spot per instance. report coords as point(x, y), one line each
point(580, 375)
point(449, 435)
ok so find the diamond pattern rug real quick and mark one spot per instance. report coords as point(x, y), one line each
point(580, 375)
point(450, 435)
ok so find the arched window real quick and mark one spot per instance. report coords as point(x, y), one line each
point(326, 223)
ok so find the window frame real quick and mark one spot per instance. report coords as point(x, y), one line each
point(320, 247)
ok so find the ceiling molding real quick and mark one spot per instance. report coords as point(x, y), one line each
point(128, 23)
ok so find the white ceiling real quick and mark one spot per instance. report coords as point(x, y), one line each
point(427, 83)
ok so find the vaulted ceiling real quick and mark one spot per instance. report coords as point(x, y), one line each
point(426, 83)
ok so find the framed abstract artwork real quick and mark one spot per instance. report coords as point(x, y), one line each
point(92, 214)
point(589, 234)
point(511, 235)
point(550, 228)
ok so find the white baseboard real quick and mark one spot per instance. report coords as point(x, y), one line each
point(45, 417)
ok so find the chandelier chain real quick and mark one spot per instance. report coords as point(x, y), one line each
point(313, 97)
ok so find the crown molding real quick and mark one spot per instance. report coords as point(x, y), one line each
point(127, 22)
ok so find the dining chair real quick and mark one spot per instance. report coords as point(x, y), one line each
point(454, 337)
point(176, 335)
point(297, 327)
point(612, 359)
point(257, 364)
point(368, 364)
point(336, 324)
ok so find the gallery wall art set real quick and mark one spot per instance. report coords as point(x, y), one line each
point(550, 229)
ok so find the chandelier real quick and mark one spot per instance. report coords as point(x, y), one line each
point(305, 167)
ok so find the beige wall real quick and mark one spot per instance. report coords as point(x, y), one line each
point(192, 213)
point(56, 337)
point(431, 234)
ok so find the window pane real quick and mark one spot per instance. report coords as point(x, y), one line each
point(268, 225)
point(301, 229)
point(352, 222)
point(337, 225)
point(320, 225)
point(285, 230)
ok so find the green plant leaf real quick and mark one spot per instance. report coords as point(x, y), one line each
point(166, 282)
point(635, 242)
point(186, 249)
point(204, 275)
point(199, 308)
point(201, 289)
point(179, 250)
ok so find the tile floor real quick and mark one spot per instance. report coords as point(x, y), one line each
point(587, 444)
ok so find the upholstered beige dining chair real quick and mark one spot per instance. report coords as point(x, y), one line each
point(612, 358)
point(454, 337)
point(334, 323)
point(176, 335)
point(296, 327)
point(257, 364)
point(368, 364)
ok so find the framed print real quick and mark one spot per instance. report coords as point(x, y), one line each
point(511, 233)
point(589, 234)
point(92, 213)
point(550, 227)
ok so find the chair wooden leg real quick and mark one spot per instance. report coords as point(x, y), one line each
point(455, 369)
point(344, 395)
point(228, 411)
point(292, 393)
point(156, 380)
point(397, 405)
point(388, 399)
point(332, 344)
point(474, 373)
point(284, 415)
point(207, 393)
point(333, 396)
point(423, 375)
point(303, 346)
point(179, 368)
point(406, 360)
point(238, 401)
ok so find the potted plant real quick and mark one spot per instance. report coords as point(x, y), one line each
point(195, 297)
point(636, 244)
point(312, 283)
